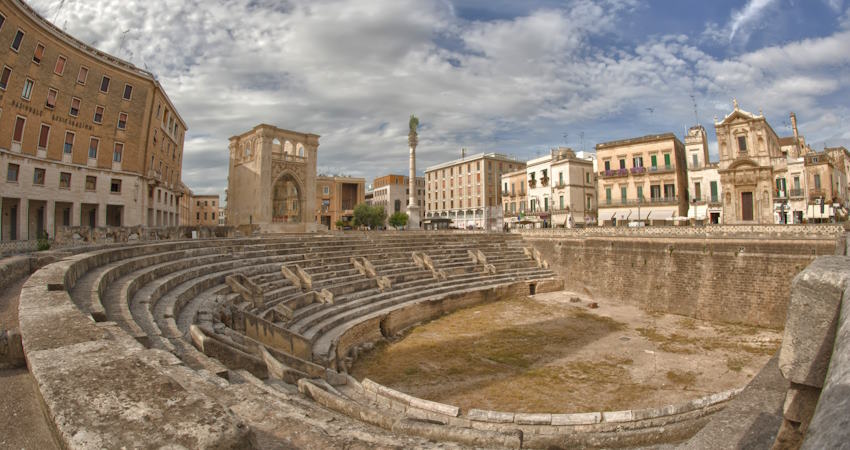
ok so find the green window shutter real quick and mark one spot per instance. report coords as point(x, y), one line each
point(623, 191)
point(667, 160)
point(562, 202)
point(654, 159)
point(640, 192)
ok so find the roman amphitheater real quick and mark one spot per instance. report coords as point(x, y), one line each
point(249, 342)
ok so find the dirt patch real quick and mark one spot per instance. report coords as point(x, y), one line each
point(545, 354)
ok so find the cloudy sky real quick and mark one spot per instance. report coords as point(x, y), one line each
point(514, 77)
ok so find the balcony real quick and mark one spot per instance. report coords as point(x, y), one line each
point(560, 185)
point(614, 173)
point(797, 193)
point(655, 201)
point(662, 169)
point(544, 181)
point(780, 194)
point(714, 200)
point(697, 166)
point(638, 170)
point(817, 193)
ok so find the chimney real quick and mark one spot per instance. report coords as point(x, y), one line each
point(794, 127)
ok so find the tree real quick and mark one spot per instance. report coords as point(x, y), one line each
point(369, 216)
point(398, 220)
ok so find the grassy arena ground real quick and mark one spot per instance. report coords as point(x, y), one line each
point(545, 354)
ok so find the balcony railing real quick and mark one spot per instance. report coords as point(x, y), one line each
point(714, 200)
point(816, 193)
point(638, 170)
point(797, 193)
point(661, 169)
point(642, 201)
point(560, 185)
point(532, 183)
point(780, 193)
point(614, 173)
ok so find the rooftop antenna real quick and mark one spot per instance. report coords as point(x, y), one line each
point(58, 9)
point(123, 37)
point(696, 114)
point(462, 152)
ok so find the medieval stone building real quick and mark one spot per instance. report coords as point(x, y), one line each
point(272, 179)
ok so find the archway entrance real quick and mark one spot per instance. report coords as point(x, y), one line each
point(287, 203)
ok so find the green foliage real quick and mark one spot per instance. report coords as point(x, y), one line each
point(369, 216)
point(340, 224)
point(398, 220)
point(42, 243)
point(414, 124)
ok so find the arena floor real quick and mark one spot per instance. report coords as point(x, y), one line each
point(548, 354)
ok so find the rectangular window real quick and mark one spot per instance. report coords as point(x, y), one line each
point(561, 178)
point(16, 42)
point(43, 135)
point(38, 54)
point(93, 144)
point(669, 191)
point(817, 181)
point(546, 204)
point(75, 107)
point(12, 173)
point(562, 202)
point(623, 191)
point(26, 94)
point(91, 182)
point(653, 159)
point(51, 98)
point(82, 75)
point(655, 191)
point(117, 152)
point(198, 216)
point(607, 165)
point(695, 161)
point(640, 192)
point(104, 84)
point(98, 114)
point(38, 177)
point(713, 186)
point(608, 195)
point(667, 160)
point(697, 191)
point(59, 68)
point(796, 182)
point(128, 92)
point(64, 180)
point(115, 186)
point(4, 77)
point(122, 121)
point(622, 163)
point(742, 144)
point(20, 122)
point(69, 142)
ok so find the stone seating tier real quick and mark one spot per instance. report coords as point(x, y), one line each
point(194, 329)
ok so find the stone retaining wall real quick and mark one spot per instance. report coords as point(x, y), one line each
point(710, 231)
point(742, 281)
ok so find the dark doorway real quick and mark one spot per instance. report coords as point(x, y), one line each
point(746, 206)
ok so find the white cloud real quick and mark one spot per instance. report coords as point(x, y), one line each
point(747, 15)
point(354, 71)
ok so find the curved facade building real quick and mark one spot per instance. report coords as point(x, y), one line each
point(86, 139)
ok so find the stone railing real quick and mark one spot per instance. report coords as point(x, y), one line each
point(709, 231)
point(815, 357)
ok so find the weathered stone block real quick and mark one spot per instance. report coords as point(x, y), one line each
point(576, 419)
point(807, 343)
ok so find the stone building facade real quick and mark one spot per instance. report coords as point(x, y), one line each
point(704, 203)
point(271, 180)
point(750, 157)
point(514, 198)
point(393, 193)
point(561, 189)
point(336, 197)
point(203, 210)
point(642, 179)
point(466, 190)
point(86, 139)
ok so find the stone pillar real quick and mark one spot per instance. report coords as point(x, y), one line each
point(101, 214)
point(50, 217)
point(75, 214)
point(24, 219)
point(413, 204)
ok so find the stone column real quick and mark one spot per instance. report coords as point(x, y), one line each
point(413, 204)
point(24, 219)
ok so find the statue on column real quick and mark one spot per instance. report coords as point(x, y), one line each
point(413, 204)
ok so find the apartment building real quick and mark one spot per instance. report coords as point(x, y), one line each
point(642, 180)
point(86, 139)
point(515, 198)
point(561, 189)
point(204, 210)
point(467, 191)
point(336, 197)
point(393, 193)
point(704, 188)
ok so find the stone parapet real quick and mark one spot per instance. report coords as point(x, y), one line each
point(815, 231)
